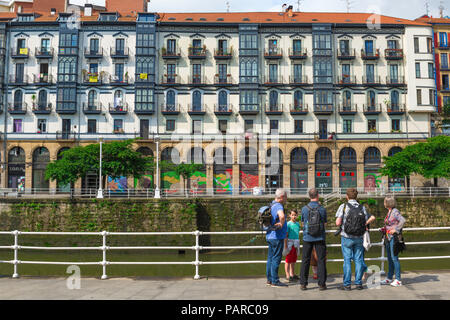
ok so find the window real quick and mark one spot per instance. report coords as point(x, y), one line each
point(249, 68)
point(248, 41)
point(171, 73)
point(92, 126)
point(92, 99)
point(170, 125)
point(196, 126)
point(144, 99)
point(223, 47)
point(297, 46)
point(368, 45)
point(298, 100)
point(118, 126)
point(42, 125)
point(393, 69)
point(395, 123)
point(442, 39)
point(347, 126)
point(445, 82)
point(417, 70)
point(143, 43)
point(120, 46)
point(273, 73)
point(223, 101)
point(249, 100)
point(18, 97)
point(416, 45)
point(93, 68)
point(170, 100)
point(107, 17)
point(431, 97)
point(346, 73)
point(446, 100)
point(344, 46)
point(248, 125)
point(45, 45)
point(372, 125)
point(66, 98)
point(429, 45)
point(196, 73)
point(222, 73)
point(118, 72)
point(21, 44)
point(197, 47)
point(323, 97)
point(171, 47)
point(223, 126)
point(322, 41)
point(17, 125)
point(298, 72)
point(298, 126)
point(347, 100)
point(371, 99)
point(42, 100)
point(68, 43)
point(370, 73)
point(67, 71)
point(19, 72)
point(144, 66)
point(322, 71)
point(419, 96)
point(274, 126)
point(93, 45)
point(444, 61)
point(196, 101)
point(430, 70)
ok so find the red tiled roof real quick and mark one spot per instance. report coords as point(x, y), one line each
point(432, 20)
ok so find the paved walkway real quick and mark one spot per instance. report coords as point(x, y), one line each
point(423, 286)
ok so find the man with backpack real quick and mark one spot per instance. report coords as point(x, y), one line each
point(314, 219)
point(353, 219)
point(275, 239)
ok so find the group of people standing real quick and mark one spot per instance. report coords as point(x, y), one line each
point(352, 218)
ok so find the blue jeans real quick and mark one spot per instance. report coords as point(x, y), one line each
point(274, 259)
point(394, 264)
point(353, 249)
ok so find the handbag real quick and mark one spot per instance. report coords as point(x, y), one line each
point(366, 240)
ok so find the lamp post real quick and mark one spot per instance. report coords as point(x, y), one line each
point(157, 192)
point(100, 181)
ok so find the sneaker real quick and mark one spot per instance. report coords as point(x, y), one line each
point(346, 288)
point(359, 287)
point(396, 283)
point(279, 284)
point(386, 281)
point(268, 283)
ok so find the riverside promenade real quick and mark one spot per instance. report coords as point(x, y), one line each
point(426, 285)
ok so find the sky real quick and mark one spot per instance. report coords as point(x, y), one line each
point(408, 9)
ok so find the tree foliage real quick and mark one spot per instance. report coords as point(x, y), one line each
point(430, 159)
point(118, 159)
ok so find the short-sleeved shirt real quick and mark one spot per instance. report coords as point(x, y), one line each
point(279, 234)
point(305, 214)
point(340, 214)
point(293, 230)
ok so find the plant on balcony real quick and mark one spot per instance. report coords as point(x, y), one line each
point(396, 131)
point(163, 51)
point(372, 131)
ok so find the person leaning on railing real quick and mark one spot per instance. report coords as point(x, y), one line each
point(393, 225)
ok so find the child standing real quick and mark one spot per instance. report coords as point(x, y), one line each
point(292, 246)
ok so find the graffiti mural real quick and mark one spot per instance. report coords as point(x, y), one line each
point(248, 181)
point(144, 182)
point(372, 180)
point(222, 181)
point(197, 182)
point(118, 184)
point(171, 182)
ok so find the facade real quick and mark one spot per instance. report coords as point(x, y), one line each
point(265, 100)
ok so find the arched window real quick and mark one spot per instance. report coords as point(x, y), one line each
point(273, 100)
point(248, 170)
point(223, 100)
point(298, 99)
point(395, 100)
point(196, 101)
point(41, 157)
point(299, 170)
point(323, 156)
point(347, 156)
point(371, 99)
point(347, 168)
point(92, 99)
point(347, 100)
point(118, 99)
point(394, 150)
point(299, 155)
point(145, 151)
point(170, 99)
point(42, 99)
point(18, 97)
point(372, 155)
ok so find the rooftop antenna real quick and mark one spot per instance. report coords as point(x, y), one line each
point(427, 7)
point(348, 4)
point(228, 6)
point(441, 9)
point(298, 5)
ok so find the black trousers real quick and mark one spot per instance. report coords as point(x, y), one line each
point(320, 247)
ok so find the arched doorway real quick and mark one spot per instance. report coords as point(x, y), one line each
point(324, 176)
point(62, 187)
point(197, 181)
point(299, 171)
point(372, 163)
point(16, 169)
point(170, 180)
point(274, 170)
point(396, 184)
point(347, 168)
point(41, 157)
point(146, 180)
point(223, 171)
point(248, 170)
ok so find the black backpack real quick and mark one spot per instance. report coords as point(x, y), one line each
point(355, 221)
point(315, 225)
point(265, 217)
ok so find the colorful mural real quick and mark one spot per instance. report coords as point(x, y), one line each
point(222, 181)
point(248, 181)
point(198, 182)
point(372, 180)
point(396, 184)
point(144, 182)
point(117, 185)
point(171, 182)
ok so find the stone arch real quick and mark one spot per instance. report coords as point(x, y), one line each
point(347, 168)
point(299, 170)
point(222, 170)
point(41, 158)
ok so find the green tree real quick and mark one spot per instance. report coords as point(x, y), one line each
point(118, 159)
point(186, 170)
point(430, 159)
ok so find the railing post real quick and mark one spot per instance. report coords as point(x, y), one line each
point(382, 257)
point(430, 192)
point(104, 262)
point(413, 192)
point(16, 248)
point(197, 249)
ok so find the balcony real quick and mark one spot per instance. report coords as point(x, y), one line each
point(274, 110)
point(248, 109)
point(170, 54)
point(295, 54)
point(119, 108)
point(223, 54)
point(197, 53)
point(197, 109)
point(93, 79)
point(443, 46)
point(92, 108)
point(66, 107)
point(396, 109)
point(223, 110)
point(371, 81)
point(348, 109)
point(42, 108)
point(299, 109)
point(43, 79)
point(323, 109)
point(393, 54)
point(93, 53)
point(171, 79)
point(197, 80)
point(273, 53)
point(169, 110)
point(346, 54)
point(273, 80)
point(17, 108)
point(395, 82)
point(223, 80)
point(65, 135)
point(298, 80)
point(119, 53)
point(325, 136)
point(346, 80)
point(372, 109)
point(370, 55)
point(44, 53)
point(119, 80)
point(143, 108)
point(20, 53)
point(18, 80)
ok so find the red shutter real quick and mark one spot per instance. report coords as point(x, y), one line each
point(438, 72)
point(439, 104)
point(435, 40)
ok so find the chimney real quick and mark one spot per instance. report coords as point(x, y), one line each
point(289, 11)
point(88, 10)
point(52, 11)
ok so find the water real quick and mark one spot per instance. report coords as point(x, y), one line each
point(229, 270)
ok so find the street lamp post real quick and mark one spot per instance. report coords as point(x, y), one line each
point(100, 181)
point(157, 192)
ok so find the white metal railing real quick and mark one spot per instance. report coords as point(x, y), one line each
point(197, 248)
